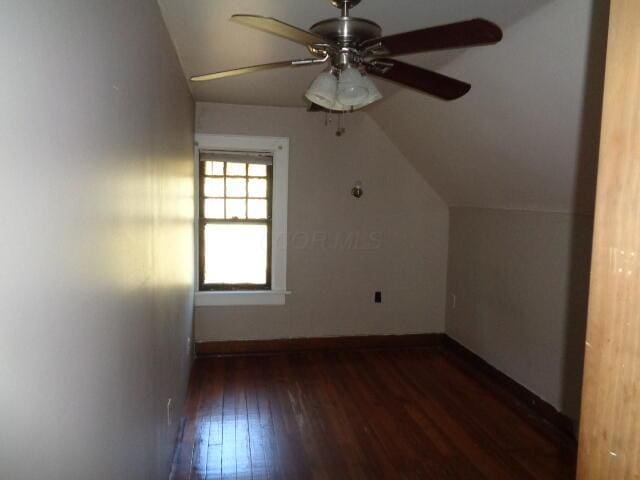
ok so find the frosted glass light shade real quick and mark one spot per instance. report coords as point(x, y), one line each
point(374, 96)
point(374, 93)
point(323, 90)
point(338, 107)
point(352, 89)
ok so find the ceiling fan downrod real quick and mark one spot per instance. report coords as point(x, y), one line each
point(345, 5)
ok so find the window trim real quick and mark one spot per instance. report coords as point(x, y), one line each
point(278, 148)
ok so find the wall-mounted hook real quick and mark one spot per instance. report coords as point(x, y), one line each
point(357, 190)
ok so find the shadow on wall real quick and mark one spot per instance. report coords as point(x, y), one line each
point(584, 201)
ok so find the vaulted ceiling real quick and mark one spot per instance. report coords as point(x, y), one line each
point(525, 137)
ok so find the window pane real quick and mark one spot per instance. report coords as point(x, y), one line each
point(235, 254)
point(236, 168)
point(214, 187)
point(213, 208)
point(214, 168)
point(236, 209)
point(236, 187)
point(257, 170)
point(257, 187)
point(257, 209)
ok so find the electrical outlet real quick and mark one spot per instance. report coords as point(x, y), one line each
point(189, 347)
point(169, 412)
point(377, 297)
point(454, 301)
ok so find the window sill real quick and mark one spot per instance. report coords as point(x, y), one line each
point(248, 297)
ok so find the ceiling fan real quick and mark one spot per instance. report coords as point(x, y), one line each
point(355, 50)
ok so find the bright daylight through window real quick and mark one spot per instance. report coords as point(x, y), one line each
point(235, 221)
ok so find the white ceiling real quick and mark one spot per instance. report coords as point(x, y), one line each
point(208, 42)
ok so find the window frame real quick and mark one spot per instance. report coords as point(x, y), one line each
point(278, 149)
point(203, 222)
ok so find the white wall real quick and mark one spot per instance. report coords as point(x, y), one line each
point(333, 287)
point(96, 239)
point(516, 160)
point(521, 276)
point(521, 283)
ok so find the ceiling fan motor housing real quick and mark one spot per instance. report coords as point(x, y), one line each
point(348, 33)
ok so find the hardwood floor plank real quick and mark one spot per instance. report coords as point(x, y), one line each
point(243, 437)
point(203, 412)
point(391, 430)
point(388, 414)
point(228, 468)
point(512, 431)
point(313, 395)
point(188, 443)
point(293, 459)
point(353, 412)
point(430, 399)
point(261, 379)
point(216, 377)
point(457, 422)
point(257, 439)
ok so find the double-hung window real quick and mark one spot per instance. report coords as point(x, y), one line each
point(242, 201)
point(235, 221)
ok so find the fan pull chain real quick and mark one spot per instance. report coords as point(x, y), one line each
point(341, 130)
point(327, 118)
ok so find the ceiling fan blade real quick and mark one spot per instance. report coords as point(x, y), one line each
point(455, 35)
point(433, 83)
point(281, 29)
point(257, 68)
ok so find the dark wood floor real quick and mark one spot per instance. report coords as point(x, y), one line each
point(393, 414)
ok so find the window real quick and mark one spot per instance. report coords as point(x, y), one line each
point(242, 214)
point(235, 221)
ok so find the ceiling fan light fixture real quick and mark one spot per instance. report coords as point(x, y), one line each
point(355, 45)
point(352, 88)
point(323, 90)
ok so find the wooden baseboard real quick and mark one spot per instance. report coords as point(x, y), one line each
point(320, 343)
point(514, 391)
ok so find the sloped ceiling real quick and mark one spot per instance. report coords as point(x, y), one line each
point(525, 137)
